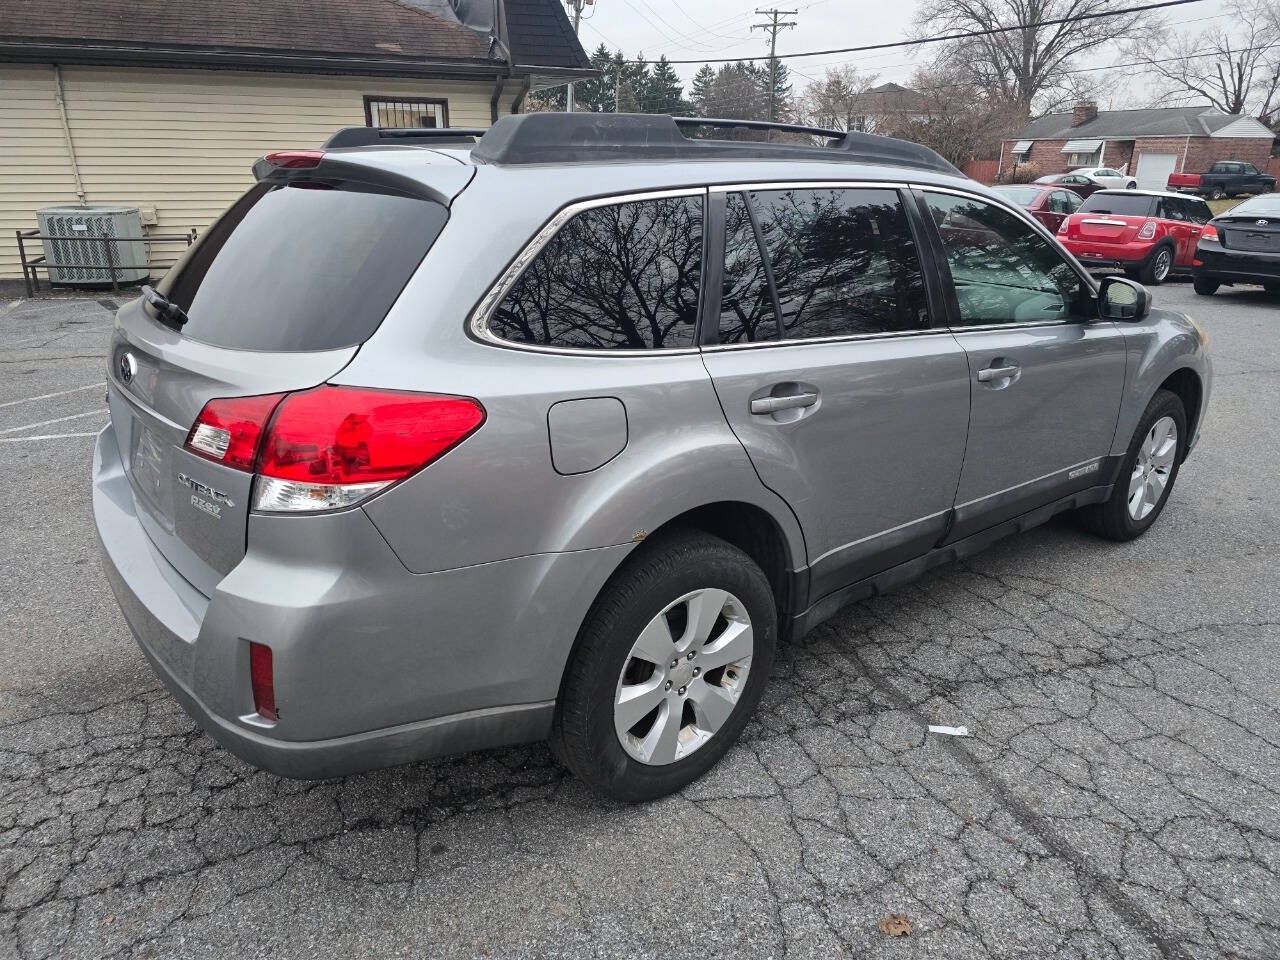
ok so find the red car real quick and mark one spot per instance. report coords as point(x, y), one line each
point(1047, 204)
point(1145, 233)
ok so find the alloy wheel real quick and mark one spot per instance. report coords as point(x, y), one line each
point(1153, 468)
point(683, 677)
point(1163, 264)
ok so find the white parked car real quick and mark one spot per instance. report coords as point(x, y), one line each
point(1108, 178)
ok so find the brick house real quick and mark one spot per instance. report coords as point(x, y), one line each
point(1148, 144)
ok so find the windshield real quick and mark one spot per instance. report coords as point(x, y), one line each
point(307, 265)
point(1023, 196)
point(1126, 204)
point(1265, 206)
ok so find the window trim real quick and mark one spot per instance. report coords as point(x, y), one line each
point(371, 98)
point(478, 323)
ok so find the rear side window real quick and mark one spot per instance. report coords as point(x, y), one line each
point(1119, 204)
point(844, 261)
point(746, 305)
point(623, 276)
point(303, 266)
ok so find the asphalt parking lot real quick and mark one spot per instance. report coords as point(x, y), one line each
point(1119, 795)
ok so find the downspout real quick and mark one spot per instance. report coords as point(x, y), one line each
point(1102, 154)
point(66, 132)
point(1186, 146)
point(518, 102)
point(497, 95)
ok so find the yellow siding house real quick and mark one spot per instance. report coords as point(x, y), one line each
point(165, 104)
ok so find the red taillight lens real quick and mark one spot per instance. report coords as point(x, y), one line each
point(229, 430)
point(333, 446)
point(296, 159)
point(1062, 227)
point(262, 679)
point(1148, 230)
point(1209, 232)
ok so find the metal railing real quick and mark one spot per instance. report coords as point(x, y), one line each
point(29, 266)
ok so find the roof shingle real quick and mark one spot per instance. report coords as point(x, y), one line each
point(1198, 121)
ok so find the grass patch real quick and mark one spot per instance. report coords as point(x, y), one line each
point(1220, 207)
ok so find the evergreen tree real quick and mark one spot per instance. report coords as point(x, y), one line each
point(703, 82)
point(664, 93)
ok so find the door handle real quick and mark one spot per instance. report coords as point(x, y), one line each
point(764, 405)
point(996, 373)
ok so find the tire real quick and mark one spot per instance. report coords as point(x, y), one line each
point(1131, 185)
point(1217, 193)
point(1114, 519)
point(655, 584)
point(1205, 287)
point(1156, 268)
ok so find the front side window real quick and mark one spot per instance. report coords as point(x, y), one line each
point(1003, 271)
point(844, 261)
point(623, 276)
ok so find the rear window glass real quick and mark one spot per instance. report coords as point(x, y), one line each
point(1022, 196)
point(304, 266)
point(1120, 204)
point(1268, 206)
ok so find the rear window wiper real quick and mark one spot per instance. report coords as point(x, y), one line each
point(167, 312)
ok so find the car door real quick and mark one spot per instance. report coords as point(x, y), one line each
point(1173, 212)
point(850, 401)
point(1047, 374)
point(1251, 181)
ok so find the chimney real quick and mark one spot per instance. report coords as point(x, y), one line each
point(1084, 111)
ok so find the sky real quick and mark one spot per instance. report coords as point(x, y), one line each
point(690, 29)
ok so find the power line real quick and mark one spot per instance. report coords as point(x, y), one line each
point(919, 41)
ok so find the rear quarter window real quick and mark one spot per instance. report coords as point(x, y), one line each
point(302, 266)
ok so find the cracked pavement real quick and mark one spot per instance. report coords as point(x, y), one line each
point(1119, 795)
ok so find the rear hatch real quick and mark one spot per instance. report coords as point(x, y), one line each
point(1111, 218)
point(279, 293)
point(1249, 234)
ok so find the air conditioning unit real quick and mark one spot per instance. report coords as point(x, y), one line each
point(74, 259)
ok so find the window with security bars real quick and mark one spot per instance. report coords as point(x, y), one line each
point(400, 112)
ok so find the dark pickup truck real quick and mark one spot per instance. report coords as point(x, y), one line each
point(1226, 178)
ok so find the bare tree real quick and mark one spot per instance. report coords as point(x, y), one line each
point(1030, 65)
point(956, 117)
point(835, 100)
point(1235, 67)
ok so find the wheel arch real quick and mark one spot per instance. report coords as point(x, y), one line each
point(1186, 385)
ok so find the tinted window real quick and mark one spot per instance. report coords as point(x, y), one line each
point(1127, 204)
point(1003, 271)
point(1248, 168)
point(1197, 210)
point(746, 308)
point(303, 267)
point(624, 276)
point(1022, 196)
point(1060, 202)
point(844, 261)
point(1171, 209)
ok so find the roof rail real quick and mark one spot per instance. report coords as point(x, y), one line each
point(416, 136)
point(570, 137)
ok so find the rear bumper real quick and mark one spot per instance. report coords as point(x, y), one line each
point(374, 666)
point(1217, 263)
point(1091, 251)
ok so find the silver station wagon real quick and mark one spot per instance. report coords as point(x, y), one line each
point(440, 440)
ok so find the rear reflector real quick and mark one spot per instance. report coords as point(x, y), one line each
point(331, 447)
point(229, 429)
point(296, 159)
point(262, 679)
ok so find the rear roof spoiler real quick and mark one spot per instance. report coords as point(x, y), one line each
point(410, 136)
point(570, 137)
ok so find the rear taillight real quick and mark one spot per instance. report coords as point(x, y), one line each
point(1148, 230)
point(296, 159)
point(262, 679)
point(331, 447)
point(1062, 227)
point(1209, 232)
point(229, 429)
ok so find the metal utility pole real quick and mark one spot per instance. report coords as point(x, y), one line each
point(577, 19)
point(773, 26)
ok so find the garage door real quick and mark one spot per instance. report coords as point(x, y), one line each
point(1154, 169)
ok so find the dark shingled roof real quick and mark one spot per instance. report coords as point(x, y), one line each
point(350, 30)
point(541, 35)
point(1198, 121)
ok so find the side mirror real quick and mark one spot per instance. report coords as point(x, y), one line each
point(1121, 299)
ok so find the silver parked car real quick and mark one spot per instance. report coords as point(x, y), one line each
point(438, 441)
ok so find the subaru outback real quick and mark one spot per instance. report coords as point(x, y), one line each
point(445, 440)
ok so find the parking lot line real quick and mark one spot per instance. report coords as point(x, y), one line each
point(49, 396)
point(45, 423)
point(46, 436)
